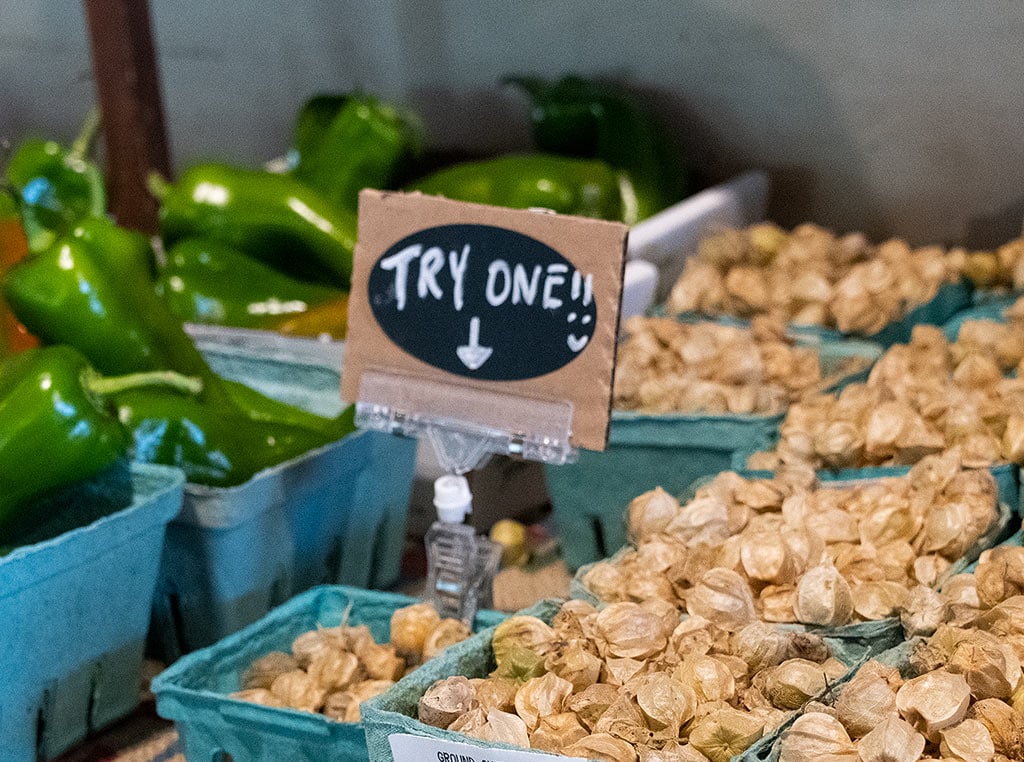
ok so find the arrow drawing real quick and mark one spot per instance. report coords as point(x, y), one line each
point(472, 354)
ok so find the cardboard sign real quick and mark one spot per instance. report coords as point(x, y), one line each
point(524, 303)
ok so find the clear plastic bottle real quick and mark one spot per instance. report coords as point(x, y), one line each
point(488, 561)
point(452, 551)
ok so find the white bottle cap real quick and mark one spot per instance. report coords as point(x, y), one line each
point(452, 498)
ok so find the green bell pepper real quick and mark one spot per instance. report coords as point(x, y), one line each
point(213, 447)
point(273, 217)
point(209, 282)
point(364, 146)
point(57, 186)
point(98, 299)
point(579, 117)
point(569, 186)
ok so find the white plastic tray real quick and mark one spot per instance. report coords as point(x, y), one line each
point(668, 238)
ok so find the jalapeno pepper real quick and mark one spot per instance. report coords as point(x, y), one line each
point(312, 122)
point(120, 266)
point(569, 186)
point(209, 282)
point(64, 296)
point(273, 217)
point(579, 117)
point(363, 146)
point(52, 432)
point(213, 447)
point(55, 429)
point(58, 186)
point(90, 290)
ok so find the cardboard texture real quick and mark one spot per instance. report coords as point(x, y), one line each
point(443, 291)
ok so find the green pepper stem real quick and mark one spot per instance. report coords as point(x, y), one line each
point(106, 385)
point(82, 146)
point(158, 185)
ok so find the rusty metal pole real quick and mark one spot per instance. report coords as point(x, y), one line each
point(128, 87)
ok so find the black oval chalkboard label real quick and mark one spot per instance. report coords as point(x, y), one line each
point(483, 302)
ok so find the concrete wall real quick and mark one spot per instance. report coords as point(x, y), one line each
point(889, 116)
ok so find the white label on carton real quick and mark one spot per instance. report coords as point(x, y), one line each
point(410, 748)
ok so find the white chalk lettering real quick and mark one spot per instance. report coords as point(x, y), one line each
point(524, 289)
point(400, 264)
point(551, 281)
point(430, 265)
point(551, 287)
point(457, 265)
point(494, 298)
